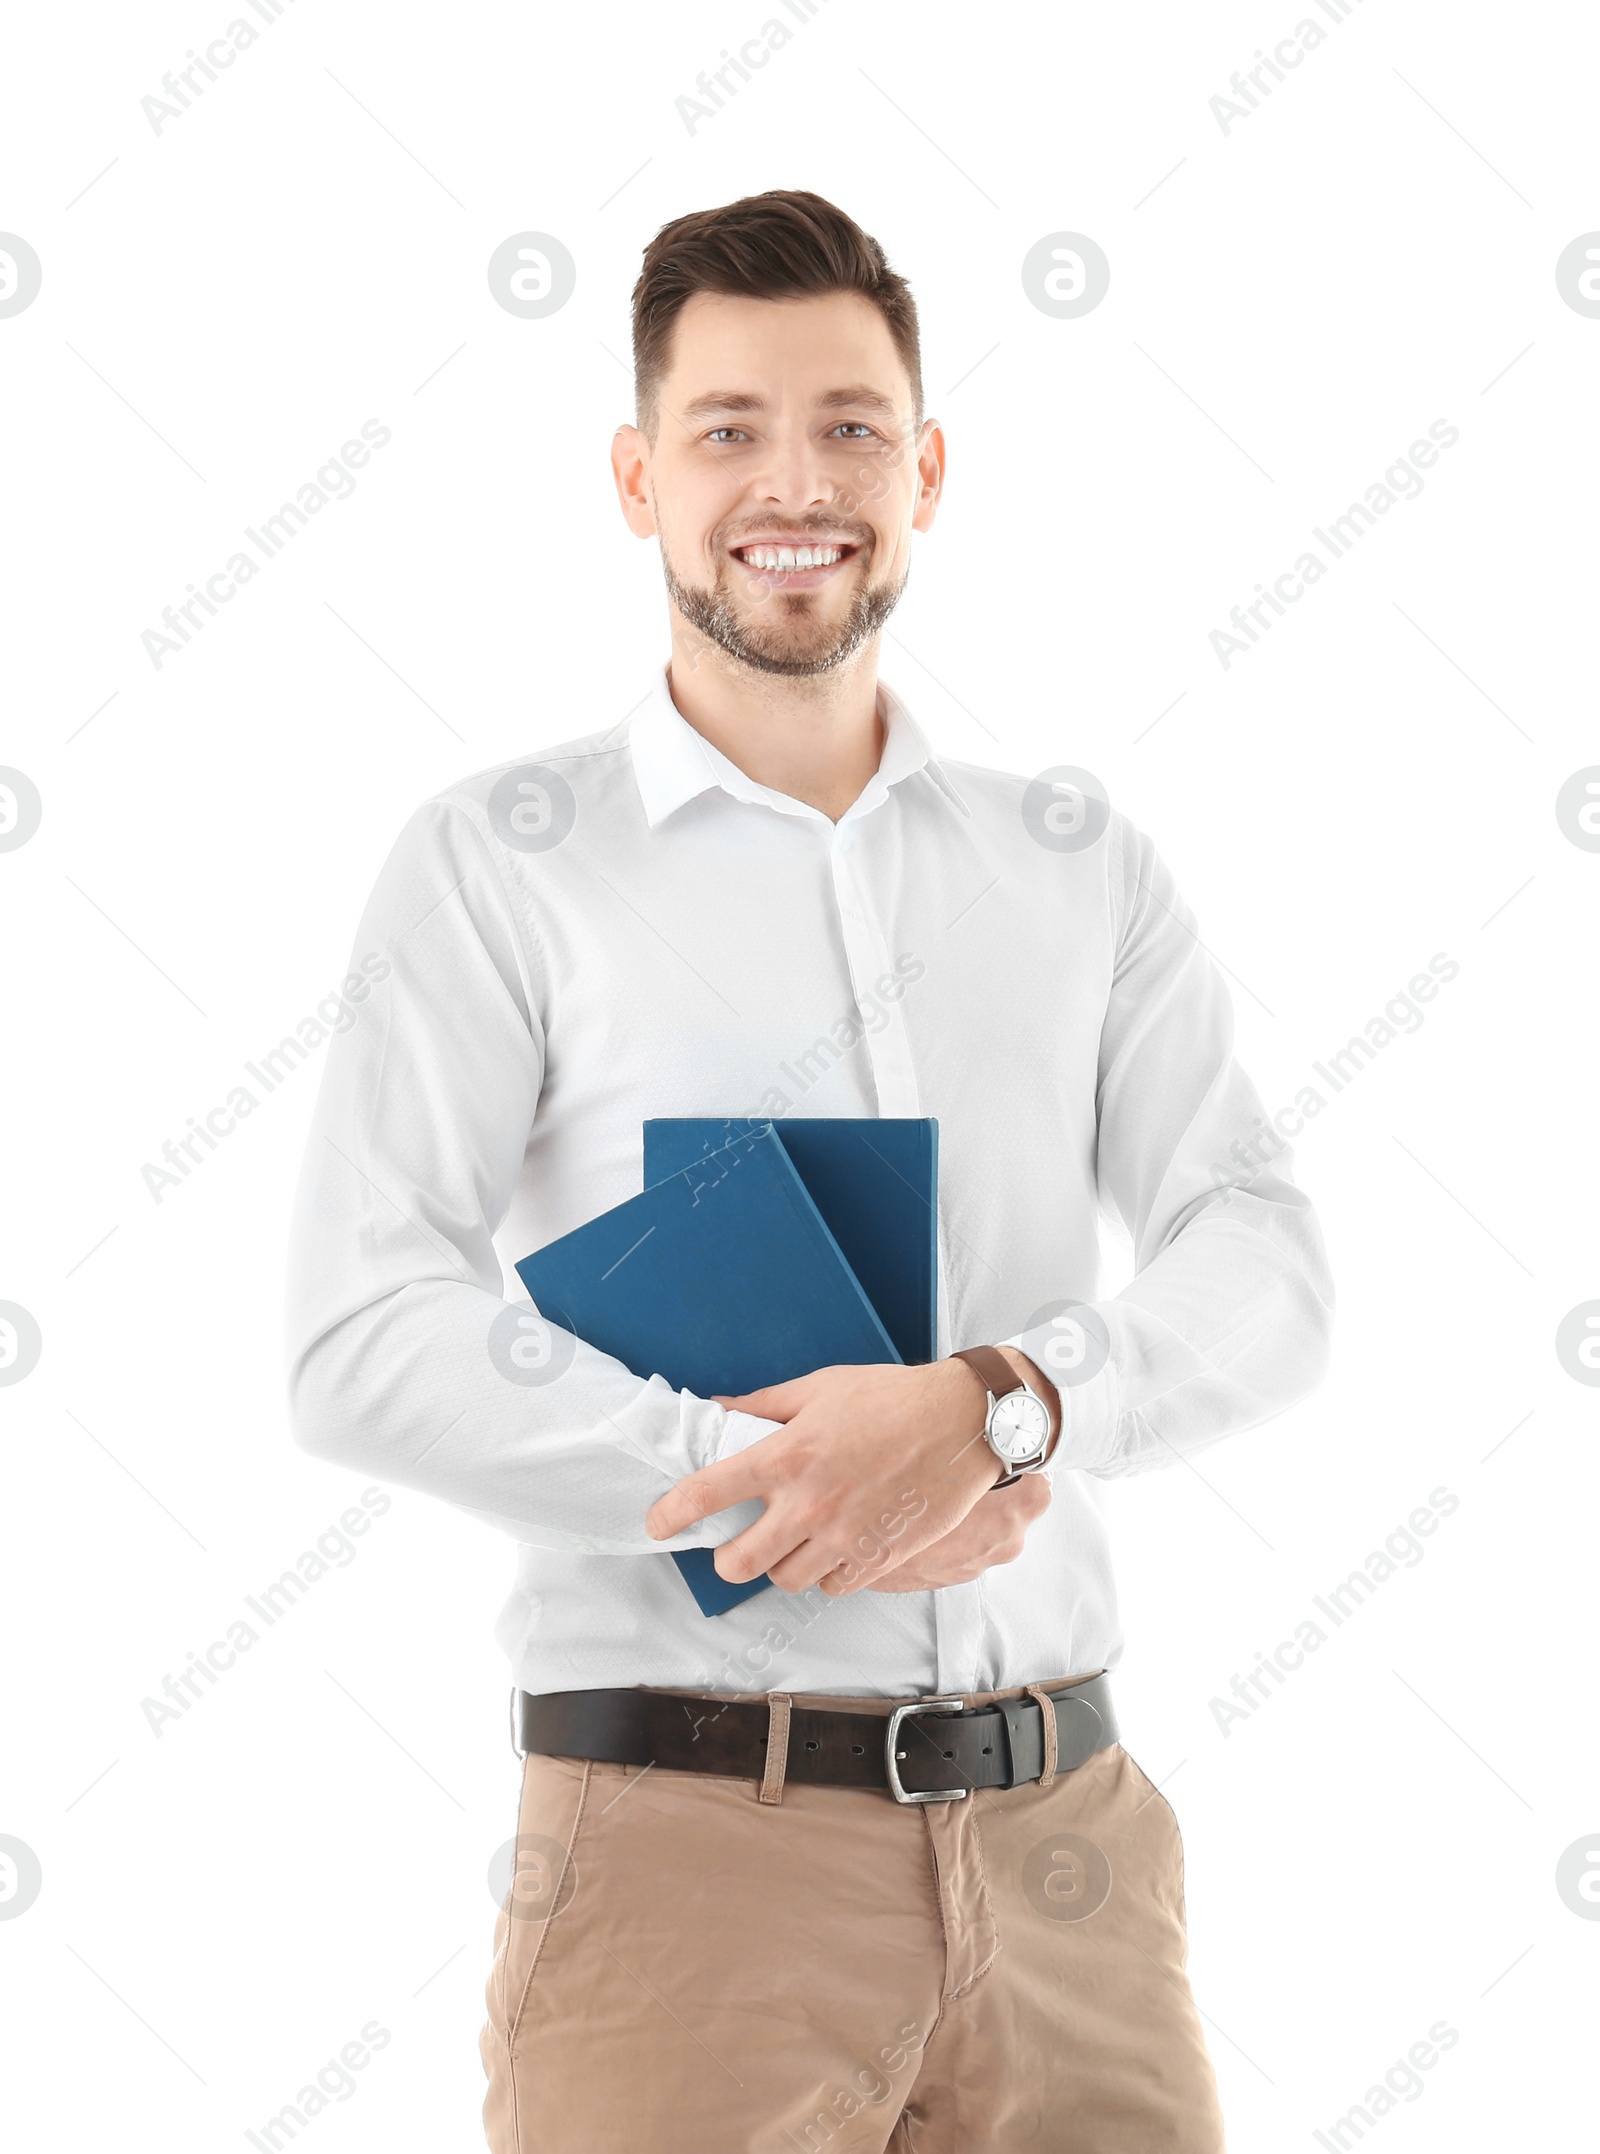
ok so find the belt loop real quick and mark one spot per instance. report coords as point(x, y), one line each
point(778, 1704)
point(1047, 1713)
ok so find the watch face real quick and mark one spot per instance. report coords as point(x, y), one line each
point(1021, 1425)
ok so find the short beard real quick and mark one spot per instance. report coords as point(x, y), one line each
point(713, 613)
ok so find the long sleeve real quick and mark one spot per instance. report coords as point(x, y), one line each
point(1226, 1320)
point(429, 1091)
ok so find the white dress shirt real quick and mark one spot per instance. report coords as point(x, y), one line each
point(657, 934)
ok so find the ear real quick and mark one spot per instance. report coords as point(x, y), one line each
point(630, 467)
point(930, 475)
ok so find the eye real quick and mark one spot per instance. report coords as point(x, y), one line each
point(860, 425)
point(716, 430)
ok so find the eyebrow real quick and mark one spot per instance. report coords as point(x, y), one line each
point(857, 397)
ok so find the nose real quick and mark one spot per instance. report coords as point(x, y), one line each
point(795, 476)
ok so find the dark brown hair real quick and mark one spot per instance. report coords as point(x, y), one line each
point(784, 244)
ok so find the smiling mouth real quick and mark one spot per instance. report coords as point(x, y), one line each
point(794, 567)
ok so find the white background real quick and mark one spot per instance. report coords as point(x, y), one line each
point(1291, 304)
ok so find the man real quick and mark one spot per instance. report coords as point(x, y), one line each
point(750, 1909)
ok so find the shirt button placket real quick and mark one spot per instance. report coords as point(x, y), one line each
point(957, 1610)
point(888, 1043)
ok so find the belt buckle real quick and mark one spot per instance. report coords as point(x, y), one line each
point(897, 1718)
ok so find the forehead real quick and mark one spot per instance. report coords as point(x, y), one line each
point(733, 352)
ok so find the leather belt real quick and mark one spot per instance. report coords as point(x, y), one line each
point(925, 1750)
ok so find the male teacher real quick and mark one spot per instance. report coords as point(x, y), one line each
point(860, 1864)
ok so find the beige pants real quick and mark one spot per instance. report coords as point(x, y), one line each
point(683, 1969)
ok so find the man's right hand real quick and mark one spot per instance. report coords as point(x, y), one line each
point(992, 1532)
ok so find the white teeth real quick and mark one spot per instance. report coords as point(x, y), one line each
point(782, 557)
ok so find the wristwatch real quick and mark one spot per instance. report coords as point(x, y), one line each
point(1020, 1427)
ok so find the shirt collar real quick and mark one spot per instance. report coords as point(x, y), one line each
point(672, 763)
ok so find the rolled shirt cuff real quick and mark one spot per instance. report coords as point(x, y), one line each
point(739, 1431)
point(1073, 1350)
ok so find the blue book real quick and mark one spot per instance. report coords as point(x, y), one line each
point(876, 1184)
point(722, 1277)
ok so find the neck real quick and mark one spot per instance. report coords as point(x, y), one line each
point(816, 737)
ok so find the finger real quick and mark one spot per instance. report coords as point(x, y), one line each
point(860, 1567)
point(698, 1495)
point(917, 1578)
point(773, 1544)
point(765, 1543)
point(957, 1560)
point(839, 1571)
point(838, 1583)
point(918, 1574)
point(810, 1564)
point(774, 1402)
point(848, 1578)
point(1027, 1499)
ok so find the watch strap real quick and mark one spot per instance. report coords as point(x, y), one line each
point(991, 1368)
